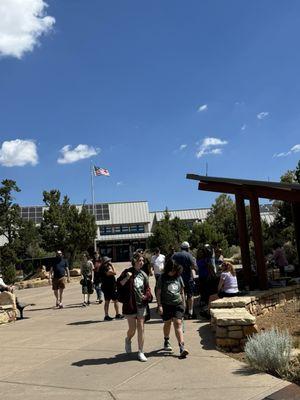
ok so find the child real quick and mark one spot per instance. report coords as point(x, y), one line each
point(170, 299)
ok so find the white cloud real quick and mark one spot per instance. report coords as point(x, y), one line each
point(120, 183)
point(263, 115)
point(243, 127)
point(210, 145)
point(17, 153)
point(183, 146)
point(80, 152)
point(202, 108)
point(294, 149)
point(22, 22)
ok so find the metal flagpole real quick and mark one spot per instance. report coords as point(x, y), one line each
point(92, 189)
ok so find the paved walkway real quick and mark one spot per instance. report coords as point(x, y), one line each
point(72, 354)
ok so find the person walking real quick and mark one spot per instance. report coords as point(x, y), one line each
point(135, 294)
point(170, 298)
point(87, 278)
point(97, 276)
point(57, 275)
point(109, 288)
point(188, 263)
point(157, 264)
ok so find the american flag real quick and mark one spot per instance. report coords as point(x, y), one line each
point(100, 171)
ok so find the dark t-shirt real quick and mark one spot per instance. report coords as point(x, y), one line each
point(171, 287)
point(187, 261)
point(108, 281)
point(60, 267)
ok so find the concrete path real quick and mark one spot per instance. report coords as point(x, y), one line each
point(72, 354)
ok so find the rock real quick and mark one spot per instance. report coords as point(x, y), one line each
point(75, 272)
point(232, 302)
point(236, 334)
point(221, 332)
point(250, 330)
point(227, 342)
point(4, 319)
point(233, 316)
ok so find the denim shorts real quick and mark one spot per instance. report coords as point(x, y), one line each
point(141, 313)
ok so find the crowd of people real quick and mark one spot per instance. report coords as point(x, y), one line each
point(178, 276)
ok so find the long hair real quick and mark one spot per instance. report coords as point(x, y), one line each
point(171, 266)
point(228, 267)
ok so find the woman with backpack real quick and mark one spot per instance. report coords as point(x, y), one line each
point(170, 300)
point(87, 278)
point(135, 294)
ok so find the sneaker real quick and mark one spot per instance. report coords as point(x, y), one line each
point(84, 304)
point(128, 346)
point(88, 303)
point(57, 304)
point(60, 305)
point(108, 318)
point(100, 301)
point(119, 316)
point(167, 345)
point(141, 356)
point(183, 353)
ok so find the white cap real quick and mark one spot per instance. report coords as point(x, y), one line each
point(185, 245)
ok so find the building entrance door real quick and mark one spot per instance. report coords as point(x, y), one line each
point(123, 253)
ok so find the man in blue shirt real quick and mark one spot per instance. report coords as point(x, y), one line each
point(57, 275)
point(188, 263)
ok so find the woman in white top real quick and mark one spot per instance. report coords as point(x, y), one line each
point(228, 286)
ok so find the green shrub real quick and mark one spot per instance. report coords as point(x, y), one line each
point(269, 351)
point(9, 273)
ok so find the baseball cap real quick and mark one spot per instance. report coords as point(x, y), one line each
point(185, 245)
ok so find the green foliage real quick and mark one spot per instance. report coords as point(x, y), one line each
point(269, 351)
point(282, 229)
point(223, 218)
point(204, 232)
point(9, 211)
point(65, 227)
point(8, 260)
point(168, 234)
point(28, 242)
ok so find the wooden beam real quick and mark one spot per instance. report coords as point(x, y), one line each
point(296, 218)
point(244, 239)
point(246, 191)
point(258, 243)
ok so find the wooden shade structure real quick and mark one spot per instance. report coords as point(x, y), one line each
point(244, 189)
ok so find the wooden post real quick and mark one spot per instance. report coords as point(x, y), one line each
point(296, 218)
point(258, 243)
point(243, 238)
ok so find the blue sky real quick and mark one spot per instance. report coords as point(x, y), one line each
point(152, 90)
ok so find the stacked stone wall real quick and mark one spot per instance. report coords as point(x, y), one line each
point(233, 319)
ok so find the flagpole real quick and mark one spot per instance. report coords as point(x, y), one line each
point(92, 189)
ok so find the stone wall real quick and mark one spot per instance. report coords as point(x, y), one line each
point(8, 309)
point(233, 319)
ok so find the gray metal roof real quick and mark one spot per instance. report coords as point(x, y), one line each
point(128, 236)
point(127, 213)
point(199, 214)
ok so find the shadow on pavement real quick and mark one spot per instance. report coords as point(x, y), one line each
point(122, 357)
point(85, 322)
point(246, 371)
point(207, 338)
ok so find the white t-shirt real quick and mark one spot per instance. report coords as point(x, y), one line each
point(230, 283)
point(158, 263)
point(2, 284)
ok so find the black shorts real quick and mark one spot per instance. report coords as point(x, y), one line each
point(170, 312)
point(110, 294)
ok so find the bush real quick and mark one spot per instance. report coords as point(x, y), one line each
point(269, 351)
point(9, 274)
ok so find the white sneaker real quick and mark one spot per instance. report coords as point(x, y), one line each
point(128, 346)
point(142, 357)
